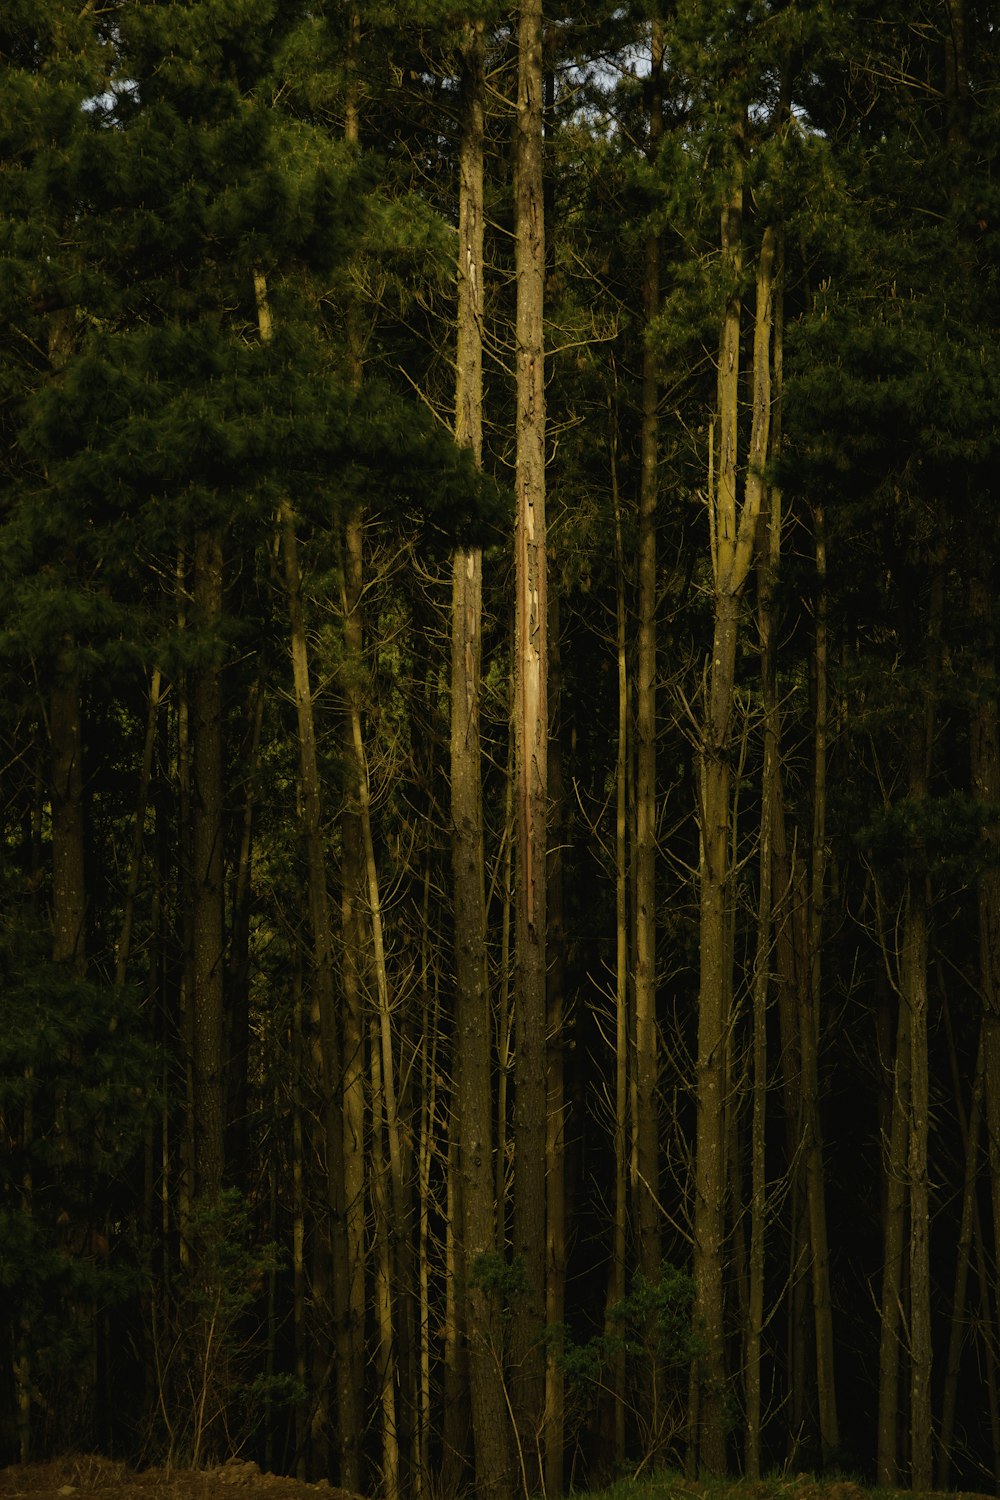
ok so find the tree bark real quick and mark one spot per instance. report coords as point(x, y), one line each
point(647, 1226)
point(531, 734)
point(474, 1027)
point(207, 876)
point(733, 531)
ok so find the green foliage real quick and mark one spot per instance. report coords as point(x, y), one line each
point(206, 1334)
point(507, 1280)
point(650, 1332)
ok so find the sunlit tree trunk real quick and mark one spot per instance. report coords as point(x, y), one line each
point(531, 734)
point(474, 1022)
point(733, 531)
point(768, 557)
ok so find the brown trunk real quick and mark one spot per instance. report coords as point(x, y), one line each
point(351, 1350)
point(207, 878)
point(474, 1023)
point(531, 734)
point(647, 1130)
point(619, 1240)
point(555, 1174)
point(984, 746)
point(809, 1041)
point(963, 1252)
point(895, 1155)
point(768, 556)
point(733, 531)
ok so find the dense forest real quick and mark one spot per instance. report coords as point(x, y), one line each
point(499, 738)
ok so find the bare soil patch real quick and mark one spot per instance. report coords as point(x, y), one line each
point(85, 1477)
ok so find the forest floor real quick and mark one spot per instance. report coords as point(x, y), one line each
point(86, 1477)
point(79, 1477)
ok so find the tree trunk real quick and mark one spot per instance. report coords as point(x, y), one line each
point(809, 1042)
point(207, 876)
point(963, 1253)
point(474, 1023)
point(531, 734)
point(647, 1129)
point(895, 1156)
point(768, 556)
point(555, 1140)
point(984, 751)
point(619, 1235)
point(732, 531)
point(915, 997)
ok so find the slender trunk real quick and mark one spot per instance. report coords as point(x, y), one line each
point(768, 556)
point(456, 1376)
point(984, 746)
point(185, 1186)
point(298, 1206)
point(916, 998)
point(647, 1128)
point(963, 1254)
point(354, 946)
point(207, 878)
point(238, 976)
point(386, 1367)
point(531, 733)
point(813, 1140)
point(473, 1019)
point(895, 1153)
point(619, 1244)
point(351, 1356)
point(732, 532)
point(555, 1173)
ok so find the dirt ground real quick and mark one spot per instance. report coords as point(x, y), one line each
point(92, 1478)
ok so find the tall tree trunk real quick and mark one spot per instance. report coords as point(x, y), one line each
point(970, 1128)
point(810, 1032)
point(984, 754)
point(895, 1153)
point(474, 1019)
point(768, 556)
point(207, 876)
point(531, 734)
point(555, 1140)
point(733, 530)
point(323, 996)
point(351, 1354)
point(647, 1129)
point(619, 1237)
point(915, 983)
